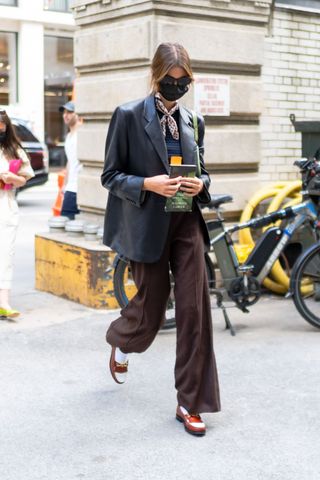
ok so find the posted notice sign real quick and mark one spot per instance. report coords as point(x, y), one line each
point(212, 95)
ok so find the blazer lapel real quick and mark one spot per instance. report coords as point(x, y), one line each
point(154, 132)
point(188, 144)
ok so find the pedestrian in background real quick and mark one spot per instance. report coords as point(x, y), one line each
point(73, 121)
point(15, 170)
point(142, 137)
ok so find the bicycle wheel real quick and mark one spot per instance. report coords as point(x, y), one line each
point(211, 273)
point(305, 285)
point(123, 284)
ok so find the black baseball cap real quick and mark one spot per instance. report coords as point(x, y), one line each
point(70, 106)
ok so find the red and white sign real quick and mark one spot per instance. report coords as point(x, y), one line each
point(212, 95)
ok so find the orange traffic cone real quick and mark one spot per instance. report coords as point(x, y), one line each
point(56, 209)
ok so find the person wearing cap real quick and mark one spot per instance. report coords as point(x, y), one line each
point(72, 120)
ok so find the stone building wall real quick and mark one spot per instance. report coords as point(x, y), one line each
point(114, 45)
point(290, 77)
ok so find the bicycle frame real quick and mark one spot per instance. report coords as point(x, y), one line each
point(222, 243)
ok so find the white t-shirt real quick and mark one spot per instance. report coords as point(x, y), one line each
point(73, 164)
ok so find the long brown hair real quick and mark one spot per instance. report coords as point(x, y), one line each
point(168, 55)
point(11, 143)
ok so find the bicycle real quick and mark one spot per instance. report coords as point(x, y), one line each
point(241, 283)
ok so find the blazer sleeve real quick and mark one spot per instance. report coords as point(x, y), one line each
point(204, 195)
point(116, 176)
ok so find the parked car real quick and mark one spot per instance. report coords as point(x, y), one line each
point(37, 151)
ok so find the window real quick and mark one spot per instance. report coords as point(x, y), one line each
point(312, 5)
point(8, 69)
point(58, 83)
point(9, 3)
point(58, 5)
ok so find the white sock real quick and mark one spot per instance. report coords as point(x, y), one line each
point(120, 357)
point(184, 411)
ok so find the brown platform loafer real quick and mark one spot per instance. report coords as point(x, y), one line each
point(193, 423)
point(118, 370)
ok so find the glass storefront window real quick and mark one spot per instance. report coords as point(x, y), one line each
point(304, 4)
point(8, 68)
point(58, 85)
point(58, 5)
point(9, 3)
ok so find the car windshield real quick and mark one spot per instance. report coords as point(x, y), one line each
point(24, 134)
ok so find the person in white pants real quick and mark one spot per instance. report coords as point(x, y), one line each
point(10, 149)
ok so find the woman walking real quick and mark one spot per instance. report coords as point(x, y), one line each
point(143, 136)
point(15, 170)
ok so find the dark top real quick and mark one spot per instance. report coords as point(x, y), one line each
point(173, 146)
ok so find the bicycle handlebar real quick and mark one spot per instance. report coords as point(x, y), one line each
point(271, 218)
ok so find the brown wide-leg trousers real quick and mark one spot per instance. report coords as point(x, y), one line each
point(196, 377)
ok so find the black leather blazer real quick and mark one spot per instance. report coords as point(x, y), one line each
point(136, 225)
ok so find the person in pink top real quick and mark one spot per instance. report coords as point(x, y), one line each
point(15, 170)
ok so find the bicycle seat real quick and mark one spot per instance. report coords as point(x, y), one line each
point(217, 200)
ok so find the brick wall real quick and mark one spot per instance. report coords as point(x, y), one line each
point(290, 76)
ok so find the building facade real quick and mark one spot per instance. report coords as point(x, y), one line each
point(114, 46)
point(36, 62)
point(267, 50)
point(291, 85)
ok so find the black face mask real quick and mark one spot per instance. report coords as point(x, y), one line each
point(2, 136)
point(172, 88)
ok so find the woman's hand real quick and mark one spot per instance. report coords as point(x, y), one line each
point(12, 179)
point(191, 186)
point(7, 177)
point(162, 184)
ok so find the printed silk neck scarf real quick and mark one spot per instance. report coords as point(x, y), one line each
point(167, 118)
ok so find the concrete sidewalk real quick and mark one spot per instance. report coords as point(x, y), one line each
point(63, 417)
